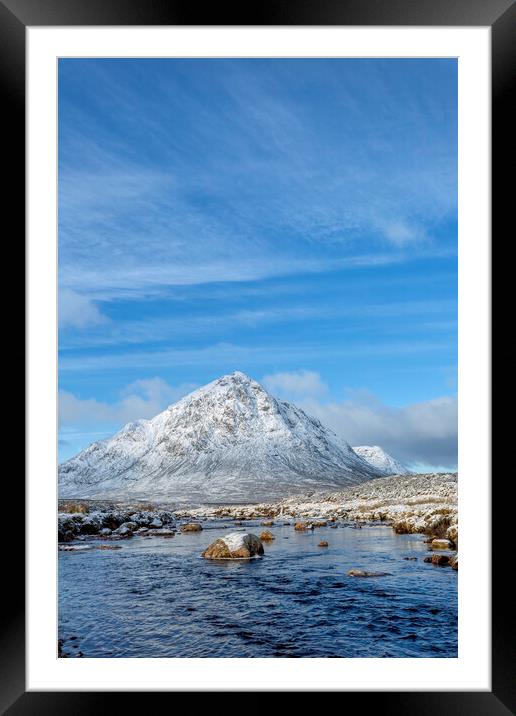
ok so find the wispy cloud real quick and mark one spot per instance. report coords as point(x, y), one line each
point(254, 166)
point(298, 383)
point(228, 356)
point(191, 324)
point(78, 311)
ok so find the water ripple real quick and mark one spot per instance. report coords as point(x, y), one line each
point(156, 598)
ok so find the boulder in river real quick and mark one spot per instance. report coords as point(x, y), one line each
point(440, 559)
point(267, 523)
point(236, 545)
point(454, 562)
point(441, 544)
point(124, 531)
point(267, 536)
point(161, 532)
point(65, 536)
point(323, 543)
point(191, 527)
point(130, 525)
point(91, 524)
point(302, 526)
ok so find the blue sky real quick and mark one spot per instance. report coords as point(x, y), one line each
point(293, 219)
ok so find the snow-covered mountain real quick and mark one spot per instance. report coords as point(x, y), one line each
point(227, 441)
point(377, 457)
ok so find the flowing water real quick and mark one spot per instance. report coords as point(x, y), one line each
point(156, 597)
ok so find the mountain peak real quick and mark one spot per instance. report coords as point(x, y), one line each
point(237, 377)
point(228, 440)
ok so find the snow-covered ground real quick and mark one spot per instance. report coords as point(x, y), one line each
point(411, 503)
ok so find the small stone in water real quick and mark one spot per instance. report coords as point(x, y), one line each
point(441, 544)
point(362, 573)
point(267, 536)
point(191, 527)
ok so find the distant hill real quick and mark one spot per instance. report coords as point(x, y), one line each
point(377, 457)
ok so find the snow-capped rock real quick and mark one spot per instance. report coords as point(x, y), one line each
point(234, 546)
point(378, 458)
point(230, 440)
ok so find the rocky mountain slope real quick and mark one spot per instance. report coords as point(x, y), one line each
point(228, 441)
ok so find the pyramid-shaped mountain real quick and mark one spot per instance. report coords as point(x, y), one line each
point(229, 441)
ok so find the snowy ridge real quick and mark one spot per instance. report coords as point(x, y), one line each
point(227, 441)
point(376, 456)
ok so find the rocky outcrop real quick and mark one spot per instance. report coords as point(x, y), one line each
point(162, 532)
point(106, 520)
point(452, 534)
point(124, 531)
point(236, 545)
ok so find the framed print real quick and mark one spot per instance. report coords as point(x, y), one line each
point(258, 257)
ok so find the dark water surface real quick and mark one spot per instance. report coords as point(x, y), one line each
point(156, 597)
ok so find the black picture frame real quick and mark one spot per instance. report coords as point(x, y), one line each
point(500, 16)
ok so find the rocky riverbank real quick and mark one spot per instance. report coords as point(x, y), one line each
point(425, 504)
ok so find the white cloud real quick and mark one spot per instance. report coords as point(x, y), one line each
point(297, 383)
point(141, 399)
point(77, 310)
point(420, 433)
